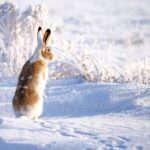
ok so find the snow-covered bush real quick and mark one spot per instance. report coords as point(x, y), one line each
point(105, 58)
point(18, 35)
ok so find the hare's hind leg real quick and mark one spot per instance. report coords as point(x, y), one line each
point(38, 109)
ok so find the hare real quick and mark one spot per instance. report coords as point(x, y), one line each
point(28, 98)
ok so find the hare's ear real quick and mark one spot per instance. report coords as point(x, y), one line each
point(39, 36)
point(46, 36)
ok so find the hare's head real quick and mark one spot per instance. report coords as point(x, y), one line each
point(43, 48)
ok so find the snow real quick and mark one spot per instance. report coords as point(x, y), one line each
point(106, 42)
point(79, 115)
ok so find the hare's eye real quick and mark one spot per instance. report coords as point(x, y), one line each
point(48, 50)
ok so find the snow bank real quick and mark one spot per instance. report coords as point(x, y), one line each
point(79, 115)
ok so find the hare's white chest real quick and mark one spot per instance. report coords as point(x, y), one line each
point(41, 82)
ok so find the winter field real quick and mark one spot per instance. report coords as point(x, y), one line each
point(98, 93)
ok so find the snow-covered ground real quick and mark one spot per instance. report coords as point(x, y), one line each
point(98, 40)
point(79, 115)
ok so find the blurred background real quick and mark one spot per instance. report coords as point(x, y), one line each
point(101, 40)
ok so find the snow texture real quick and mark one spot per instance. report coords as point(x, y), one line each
point(79, 115)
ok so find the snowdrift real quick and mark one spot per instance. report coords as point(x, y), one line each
point(79, 115)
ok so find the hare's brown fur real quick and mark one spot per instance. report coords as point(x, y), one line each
point(26, 93)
